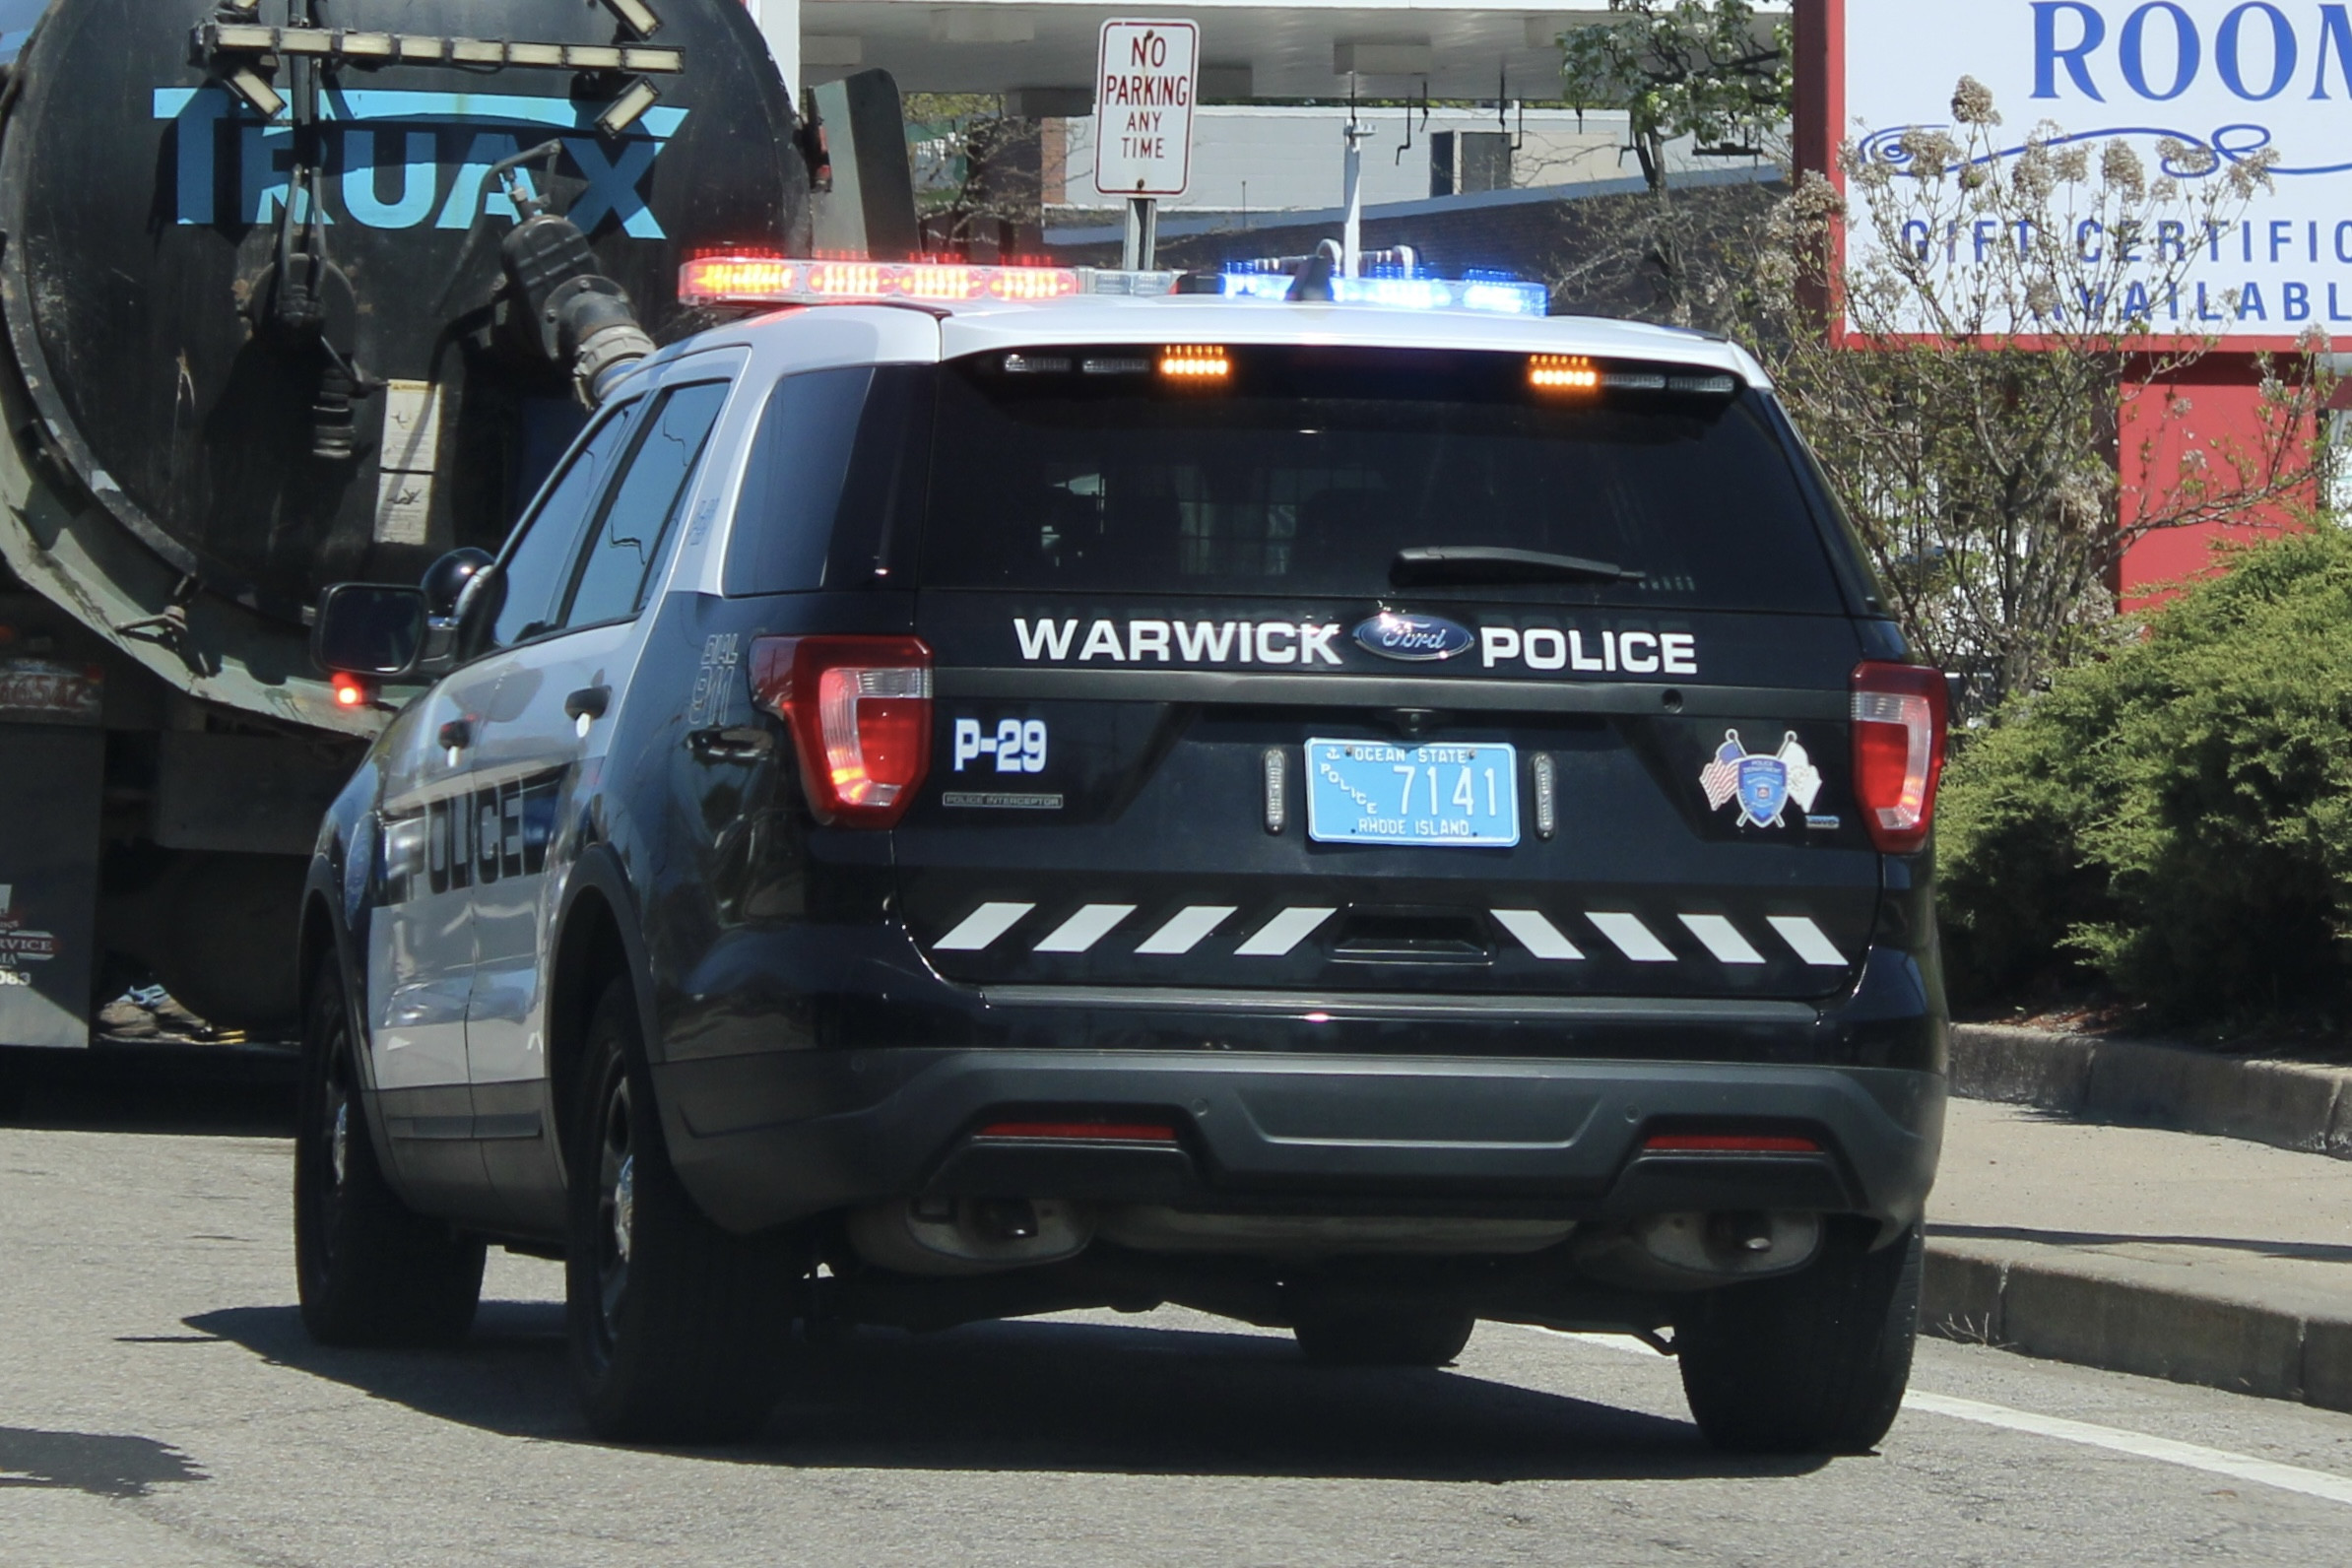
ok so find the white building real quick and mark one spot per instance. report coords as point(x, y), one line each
point(1251, 156)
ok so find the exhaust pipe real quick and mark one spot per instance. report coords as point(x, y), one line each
point(1693, 1251)
point(970, 1235)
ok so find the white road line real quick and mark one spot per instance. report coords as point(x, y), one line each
point(2213, 1461)
point(1632, 939)
point(1807, 939)
point(1086, 928)
point(2193, 1456)
point(1283, 933)
point(1722, 939)
point(1185, 929)
point(1537, 933)
point(981, 927)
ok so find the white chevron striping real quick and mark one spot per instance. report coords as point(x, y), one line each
point(1282, 933)
point(1807, 939)
point(1722, 939)
point(1086, 928)
point(1537, 933)
point(1184, 930)
point(1632, 939)
point(981, 927)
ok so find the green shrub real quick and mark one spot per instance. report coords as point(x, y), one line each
point(2177, 816)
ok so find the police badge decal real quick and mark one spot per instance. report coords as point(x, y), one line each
point(1763, 783)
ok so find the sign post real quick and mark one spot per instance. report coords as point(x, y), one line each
point(1145, 80)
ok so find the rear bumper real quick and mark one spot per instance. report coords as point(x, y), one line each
point(769, 1138)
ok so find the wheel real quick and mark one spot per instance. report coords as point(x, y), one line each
point(678, 1329)
point(1810, 1362)
point(370, 1270)
point(1377, 1336)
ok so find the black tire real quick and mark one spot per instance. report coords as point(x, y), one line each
point(1814, 1362)
point(370, 1270)
point(1377, 1336)
point(678, 1329)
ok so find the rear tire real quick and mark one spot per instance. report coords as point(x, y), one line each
point(678, 1329)
point(1373, 1336)
point(370, 1270)
point(1812, 1362)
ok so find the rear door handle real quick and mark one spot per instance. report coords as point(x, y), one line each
point(589, 702)
point(457, 734)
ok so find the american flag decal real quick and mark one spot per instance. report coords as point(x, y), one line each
point(1721, 777)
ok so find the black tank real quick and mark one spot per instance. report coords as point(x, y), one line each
point(392, 408)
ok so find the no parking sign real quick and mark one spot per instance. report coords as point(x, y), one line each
point(1143, 85)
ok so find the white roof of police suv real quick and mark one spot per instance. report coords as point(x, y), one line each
point(985, 326)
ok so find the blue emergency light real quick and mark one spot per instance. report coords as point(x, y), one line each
point(1498, 292)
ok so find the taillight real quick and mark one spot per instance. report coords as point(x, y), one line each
point(1899, 717)
point(860, 713)
point(1729, 1144)
point(1082, 1131)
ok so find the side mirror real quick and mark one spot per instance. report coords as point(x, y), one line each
point(374, 629)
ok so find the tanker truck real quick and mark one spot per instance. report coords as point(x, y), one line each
point(295, 292)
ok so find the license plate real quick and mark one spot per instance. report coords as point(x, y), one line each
point(1381, 792)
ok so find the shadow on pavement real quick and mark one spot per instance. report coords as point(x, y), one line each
point(99, 1463)
point(2307, 1250)
point(1072, 1397)
point(192, 1090)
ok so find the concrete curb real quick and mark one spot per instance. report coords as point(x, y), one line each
point(2139, 1083)
point(2091, 1318)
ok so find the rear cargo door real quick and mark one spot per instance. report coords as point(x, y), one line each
point(1211, 714)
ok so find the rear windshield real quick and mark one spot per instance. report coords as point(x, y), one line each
point(1307, 471)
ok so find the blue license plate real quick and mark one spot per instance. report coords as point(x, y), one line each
point(1382, 792)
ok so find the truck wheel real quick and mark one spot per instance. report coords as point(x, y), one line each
point(677, 1327)
point(1812, 1362)
point(370, 1272)
point(1371, 1336)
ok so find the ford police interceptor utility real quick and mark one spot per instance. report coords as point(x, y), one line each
point(967, 795)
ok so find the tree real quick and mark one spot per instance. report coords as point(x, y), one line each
point(1705, 69)
point(2002, 342)
point(979, 179)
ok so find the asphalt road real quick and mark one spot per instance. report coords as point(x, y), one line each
point(159, 1405)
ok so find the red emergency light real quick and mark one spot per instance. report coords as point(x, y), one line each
point(749, 279)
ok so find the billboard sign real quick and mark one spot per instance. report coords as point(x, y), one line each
point(2230, 81)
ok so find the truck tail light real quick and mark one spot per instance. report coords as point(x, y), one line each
point(1899, 718)
point(859, 709)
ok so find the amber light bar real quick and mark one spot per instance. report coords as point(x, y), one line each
point(1196, 361)
point(1562, 372)
point(750, 278)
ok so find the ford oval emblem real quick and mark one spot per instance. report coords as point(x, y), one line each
point(1415, 637)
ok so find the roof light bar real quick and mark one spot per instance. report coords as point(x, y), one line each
point(1497, 295)
point(778, 280)
point(723, 280)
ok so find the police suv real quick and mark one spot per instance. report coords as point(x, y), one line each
point(970, 795)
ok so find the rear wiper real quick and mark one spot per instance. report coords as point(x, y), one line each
point(1464, 564)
